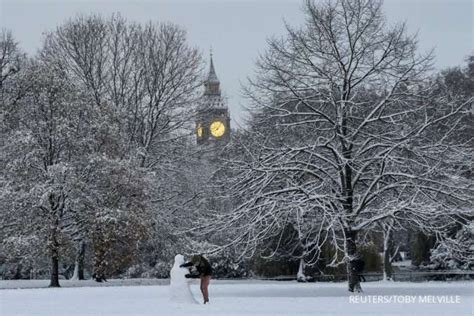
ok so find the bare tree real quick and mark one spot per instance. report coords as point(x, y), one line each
point(148, 74)
point(350, 102)
point(12, 62)
point(11, 57)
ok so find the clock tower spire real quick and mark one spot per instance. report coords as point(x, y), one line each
point(213, 120)
point(212, 84)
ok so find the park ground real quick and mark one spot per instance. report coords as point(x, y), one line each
point(238, 298)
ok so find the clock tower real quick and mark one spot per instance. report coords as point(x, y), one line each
point(212, 119)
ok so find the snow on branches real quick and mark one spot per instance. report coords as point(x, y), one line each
point(348, 130)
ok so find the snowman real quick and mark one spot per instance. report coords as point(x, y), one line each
point(179, 285)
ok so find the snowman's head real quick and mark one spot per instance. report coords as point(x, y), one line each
point(179, 259)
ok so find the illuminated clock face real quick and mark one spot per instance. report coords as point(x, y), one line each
point(200, 131)
point(217, 128)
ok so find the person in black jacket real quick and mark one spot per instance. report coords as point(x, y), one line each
point(204, 272)
point(358, 266)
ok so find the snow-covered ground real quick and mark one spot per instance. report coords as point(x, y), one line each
point(245, 298)
point(33, 284)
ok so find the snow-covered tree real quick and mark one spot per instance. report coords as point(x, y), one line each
point(146, 77)
point(454, 247)
point(38, 155)
point(99, 123)
point(11, 56)
point(352, 102)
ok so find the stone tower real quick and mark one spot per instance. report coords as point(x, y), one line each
point(212, 120)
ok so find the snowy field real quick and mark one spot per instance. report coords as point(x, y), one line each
point(239, 298)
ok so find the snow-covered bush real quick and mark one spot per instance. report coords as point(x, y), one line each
point(227, 267)
point(160, 270)
point(22, 257)
point(455, 252)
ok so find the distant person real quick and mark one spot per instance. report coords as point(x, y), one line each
point(358, 266)
point(204, 272)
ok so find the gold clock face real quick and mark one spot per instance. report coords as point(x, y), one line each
point(217, 128)
point(200, 131)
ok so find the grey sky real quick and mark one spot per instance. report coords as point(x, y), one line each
point(237, 29)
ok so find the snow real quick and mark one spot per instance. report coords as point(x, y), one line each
point(36, 284)
point(180, 291)
point(403, 263)
point(238, 298)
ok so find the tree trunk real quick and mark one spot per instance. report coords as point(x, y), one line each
point(79, 264)
point(75, 274)
point(300, 276)
point(54, 251)
point(18, 275)
point(56, 208)
point(54, 266)
point(99, 266)
point(351, 248)
point(387, 260)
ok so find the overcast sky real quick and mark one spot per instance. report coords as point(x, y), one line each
point(237, 29)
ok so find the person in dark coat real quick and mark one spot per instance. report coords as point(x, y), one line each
point(358, 266)
point(204, 272)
